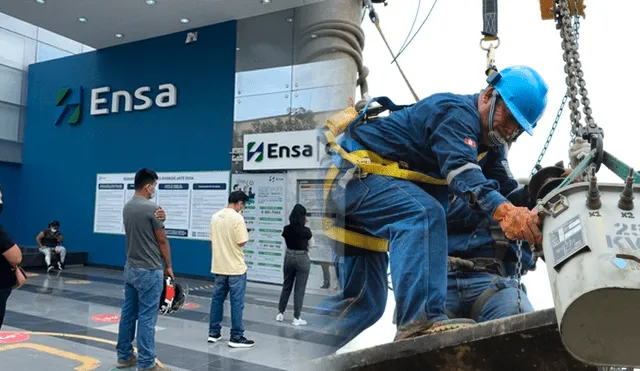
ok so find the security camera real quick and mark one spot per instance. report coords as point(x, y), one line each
point(191, 37)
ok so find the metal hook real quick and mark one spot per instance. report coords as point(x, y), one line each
point(489, 41)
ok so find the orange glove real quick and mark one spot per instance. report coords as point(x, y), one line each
point(518, 223)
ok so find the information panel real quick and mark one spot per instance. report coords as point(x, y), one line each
point(265, 216)
point(188, 198)
point(310, 196)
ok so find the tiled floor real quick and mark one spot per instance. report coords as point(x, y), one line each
point(54, 323)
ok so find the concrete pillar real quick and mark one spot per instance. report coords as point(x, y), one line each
point(330, 31)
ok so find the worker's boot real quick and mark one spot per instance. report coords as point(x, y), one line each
point(448, 324)
point(433, 327)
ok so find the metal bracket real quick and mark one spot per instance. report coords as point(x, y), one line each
point(594, 134)
point(556, 205)
point(548, 8)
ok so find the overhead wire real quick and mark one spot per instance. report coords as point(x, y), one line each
point(415, 19)
point(418, 31)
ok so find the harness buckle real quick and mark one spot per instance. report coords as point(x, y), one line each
point(359, 172)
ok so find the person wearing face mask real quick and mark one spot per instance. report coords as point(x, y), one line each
point(393, 177)
point(49, 241)
point(147, 248)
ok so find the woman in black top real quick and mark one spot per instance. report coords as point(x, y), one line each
point(11, 257)
point(297, 264)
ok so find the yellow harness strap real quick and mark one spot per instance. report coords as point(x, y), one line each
point(368, 162)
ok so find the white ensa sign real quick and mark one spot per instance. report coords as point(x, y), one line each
point(283, 150)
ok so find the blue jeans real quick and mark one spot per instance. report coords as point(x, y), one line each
point(142, 291)
point(464, 289)
point(235, 286)
point(362, 298)
point(413, 221)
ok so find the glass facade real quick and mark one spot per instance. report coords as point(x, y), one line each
point(22, 44)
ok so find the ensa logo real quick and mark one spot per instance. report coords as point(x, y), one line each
point(68, 105)
point(258, 153)
point(275, 151)
point(69, 102)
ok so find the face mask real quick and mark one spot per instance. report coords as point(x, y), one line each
point(54, 230)
point(495, 140)
point(152, 194)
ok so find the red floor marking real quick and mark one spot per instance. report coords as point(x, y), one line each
point(191, 305)
point(113, 318)
point(9, 337)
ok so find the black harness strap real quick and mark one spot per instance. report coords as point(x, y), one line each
point(490, 19)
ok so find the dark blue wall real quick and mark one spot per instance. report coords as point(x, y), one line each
point(58, 178)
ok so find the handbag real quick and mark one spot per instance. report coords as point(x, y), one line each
point(21, 277)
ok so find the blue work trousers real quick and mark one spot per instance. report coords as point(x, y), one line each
point(142, 291)
point(464, 288)
point(235, 286)
point(413, 221)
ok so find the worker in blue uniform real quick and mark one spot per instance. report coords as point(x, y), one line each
point(483, 263)
point(440, 138)
point(482, 269)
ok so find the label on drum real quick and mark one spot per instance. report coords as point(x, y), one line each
point(567, 240)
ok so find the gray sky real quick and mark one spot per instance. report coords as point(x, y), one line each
point(446, 57)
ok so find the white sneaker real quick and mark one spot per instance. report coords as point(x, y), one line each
point(214, 338)
point(298, 322)
point(280, 317)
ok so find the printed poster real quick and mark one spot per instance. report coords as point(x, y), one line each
point(310, 196)
point(265, 216)
point(188, 198)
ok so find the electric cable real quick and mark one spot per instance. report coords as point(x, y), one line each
point(418, 31)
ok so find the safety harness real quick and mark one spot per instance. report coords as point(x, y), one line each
point(365, 162)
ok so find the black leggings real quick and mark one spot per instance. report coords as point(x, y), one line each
point(4, 295)
point(296, 271)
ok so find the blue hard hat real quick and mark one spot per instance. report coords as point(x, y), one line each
point(524, 92)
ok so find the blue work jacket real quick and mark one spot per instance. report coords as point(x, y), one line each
point(438, 136)
point(468, 228)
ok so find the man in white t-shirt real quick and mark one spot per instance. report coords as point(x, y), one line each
point(228, 236)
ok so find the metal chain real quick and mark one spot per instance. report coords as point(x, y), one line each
point(553, 129)
point(576, 35)
point(573, 69)
point(519, 275)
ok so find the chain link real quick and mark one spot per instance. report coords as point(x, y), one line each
point(576, 36)
point(573, 68)
point(519, 275)
point(553, 129)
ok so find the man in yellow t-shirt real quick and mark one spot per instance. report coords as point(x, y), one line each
point(228, 236)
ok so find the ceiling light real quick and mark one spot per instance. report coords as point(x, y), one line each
point(150, 2)
point(184, 20)
point(82, 19)
point(40, 1)
point(265, 1)
point(119, 35)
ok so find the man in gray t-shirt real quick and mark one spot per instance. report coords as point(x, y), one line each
point(147, 247)
point(140, 224)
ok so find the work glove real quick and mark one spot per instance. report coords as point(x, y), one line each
point(518, 223)
point(578, 151)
